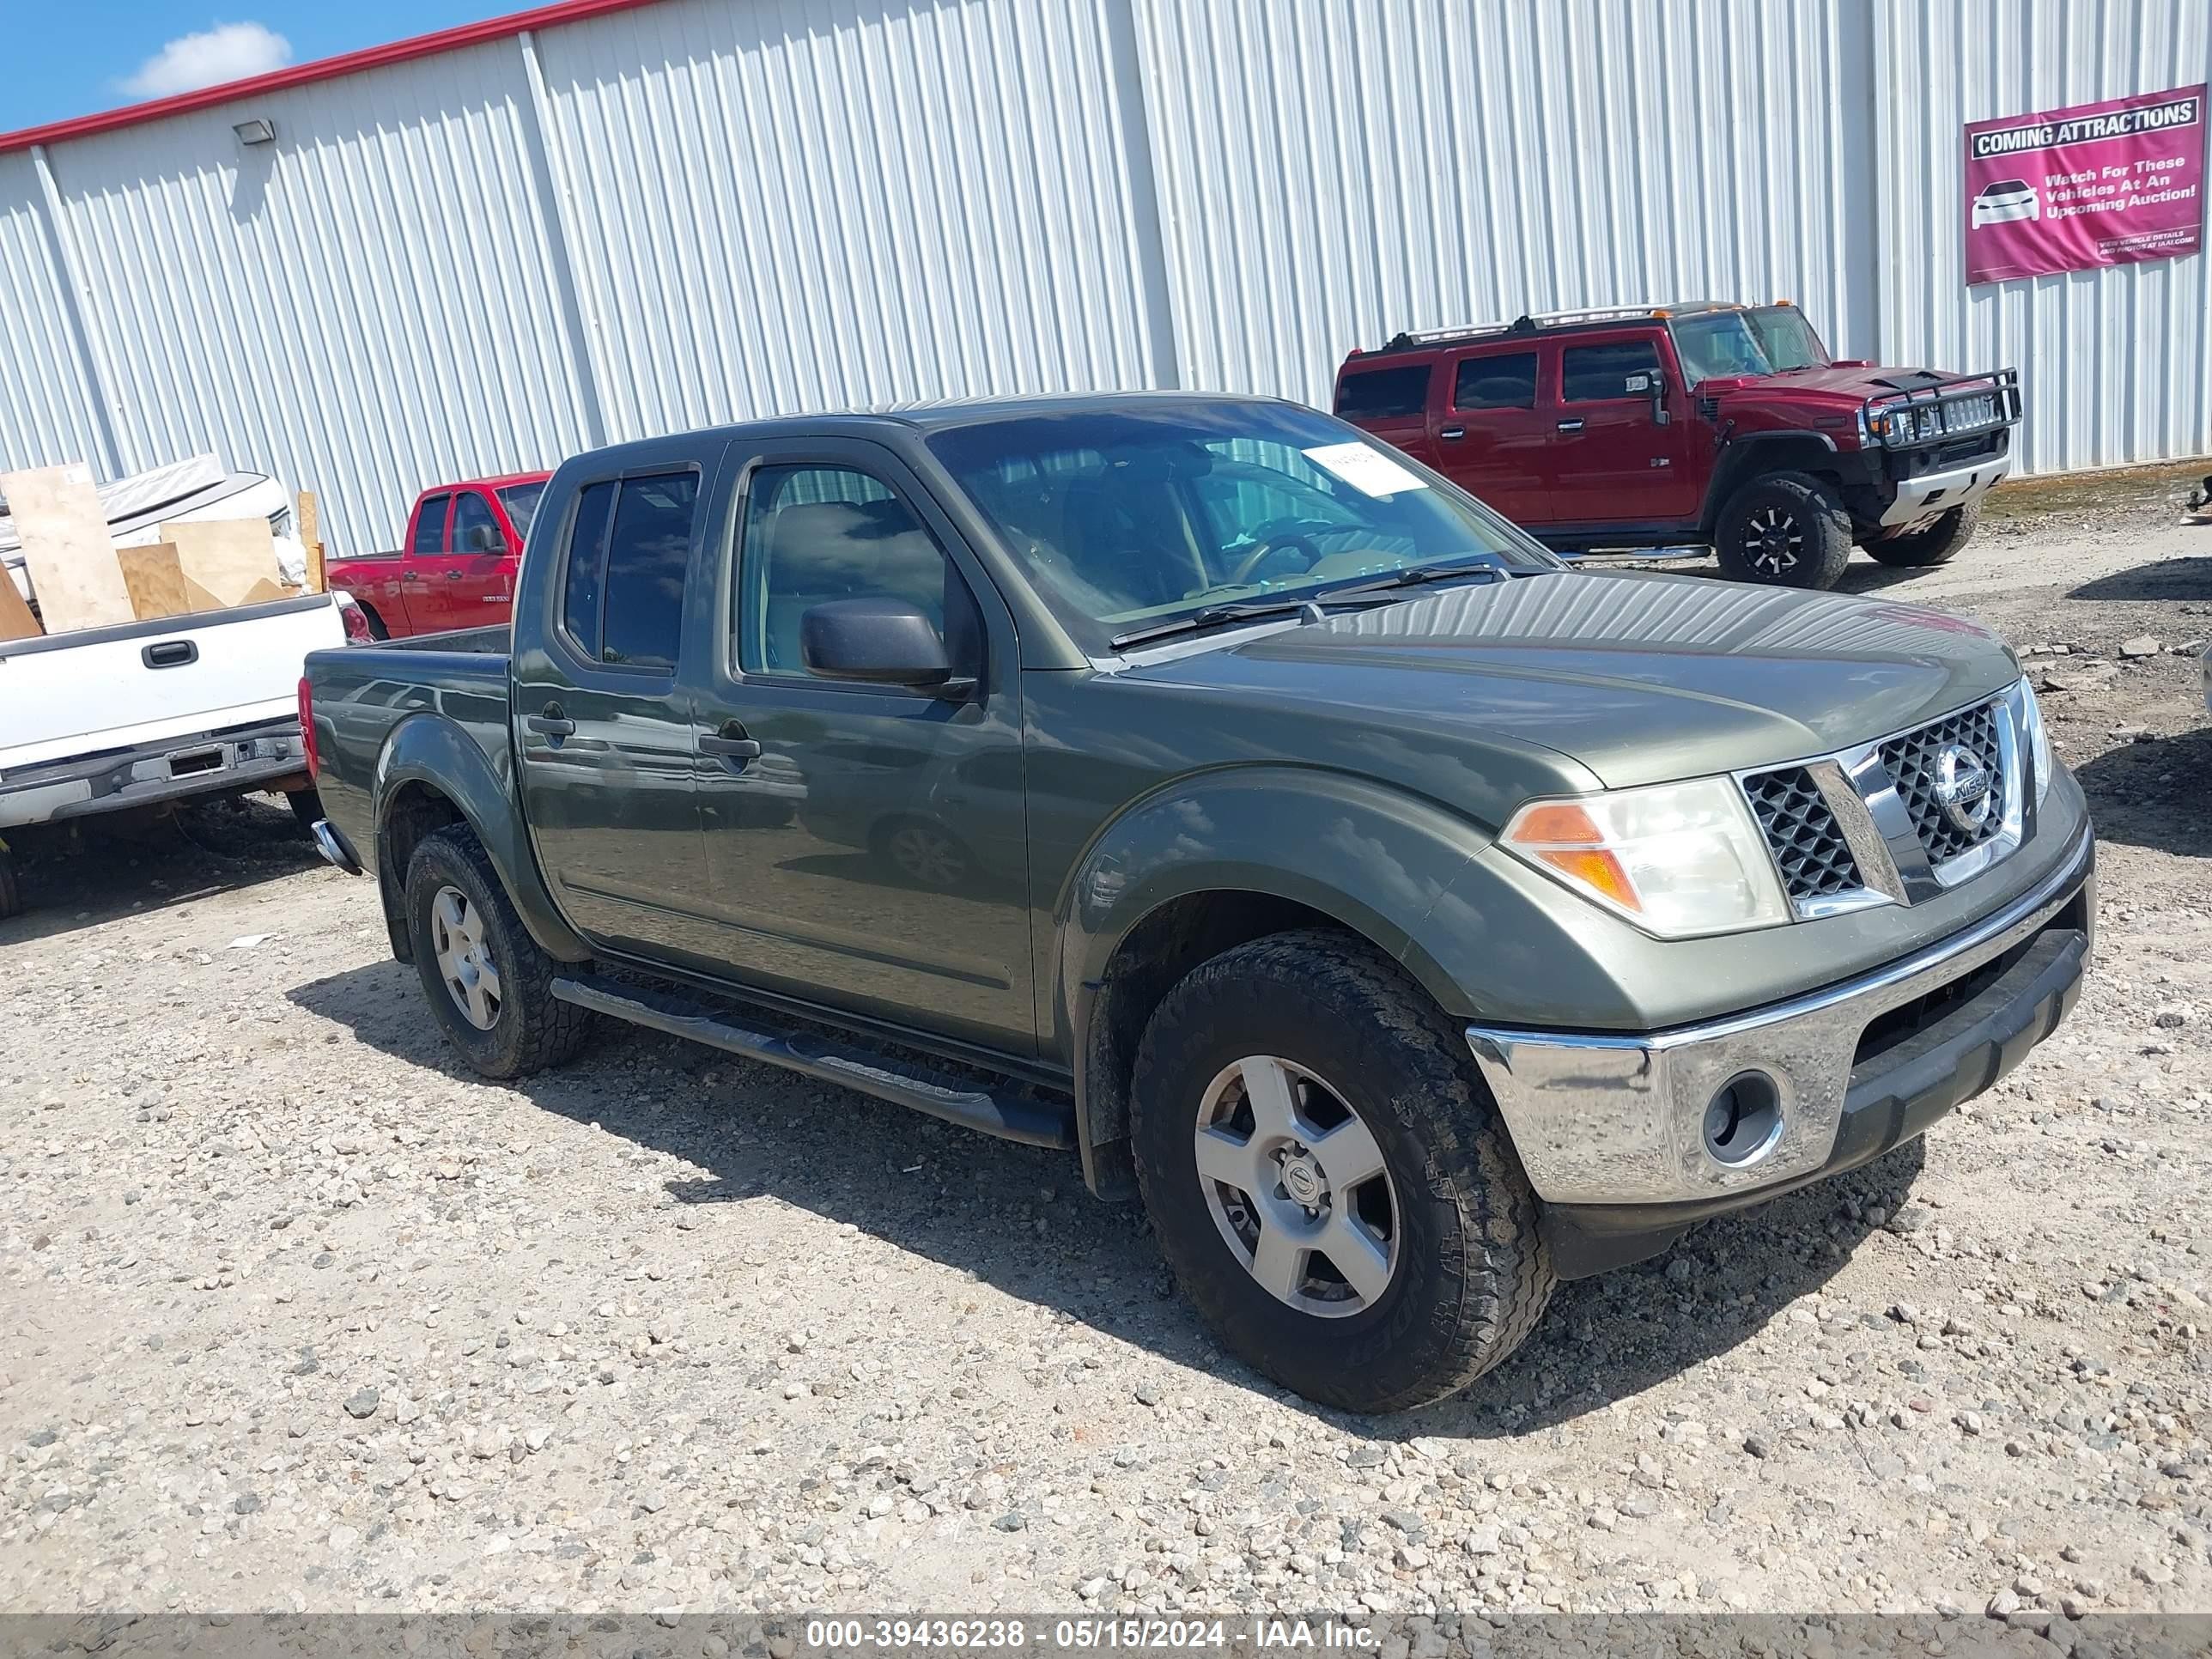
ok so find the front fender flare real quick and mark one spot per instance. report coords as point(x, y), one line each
point(1375, 859)
point(436, 752)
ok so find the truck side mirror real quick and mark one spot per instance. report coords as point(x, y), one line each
point(484, 538)
point(1654, 387)
point(883, 642)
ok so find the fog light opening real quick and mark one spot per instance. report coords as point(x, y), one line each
point(1743, 1119)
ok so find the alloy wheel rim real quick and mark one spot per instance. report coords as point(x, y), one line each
point(1297, 1189)
point(1773, 542)
point(457, 939)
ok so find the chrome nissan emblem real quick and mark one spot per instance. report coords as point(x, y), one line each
point(1962, 787)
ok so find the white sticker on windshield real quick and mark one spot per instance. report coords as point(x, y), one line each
point(1367, 471)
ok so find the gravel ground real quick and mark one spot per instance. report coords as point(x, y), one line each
point(297, 1316)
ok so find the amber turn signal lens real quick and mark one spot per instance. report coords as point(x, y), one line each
point(1558, 823)
point(1597, 870)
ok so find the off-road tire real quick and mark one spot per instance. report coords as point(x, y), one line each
point(1806, 508)
point(1473, 1276)
point(531, 1030)
point(1933, 545)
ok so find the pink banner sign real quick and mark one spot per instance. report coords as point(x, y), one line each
point(2096, 185)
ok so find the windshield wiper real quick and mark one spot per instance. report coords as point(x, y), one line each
point(1413, 575)
point(1212, 615)
point(1367, 591)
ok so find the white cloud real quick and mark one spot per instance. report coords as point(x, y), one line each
point(228, 52)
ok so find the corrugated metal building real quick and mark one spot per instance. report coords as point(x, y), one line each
point(480, 250)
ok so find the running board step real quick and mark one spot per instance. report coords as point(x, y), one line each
point(1010, 1113)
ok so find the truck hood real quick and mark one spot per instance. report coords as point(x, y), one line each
point(1641, 677)
point(1843, 386)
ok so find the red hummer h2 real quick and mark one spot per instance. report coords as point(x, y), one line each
point(1706, 424)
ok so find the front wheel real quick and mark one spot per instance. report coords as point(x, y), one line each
point(1329, 1178)
point(1932, 544)
point(1787, 530)
point(489, 984)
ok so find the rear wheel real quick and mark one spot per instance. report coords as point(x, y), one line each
point(377, 630)
point(1932, 544)
point(489, 984)
point(1329, 1178)
point(11, 888)
point(1786, 530)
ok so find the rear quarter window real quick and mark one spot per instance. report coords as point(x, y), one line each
point(1371, 394)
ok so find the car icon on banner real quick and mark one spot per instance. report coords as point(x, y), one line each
point(2004, 201)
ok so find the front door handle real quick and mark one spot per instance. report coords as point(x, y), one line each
point(730, 743)
point(1453, 432)
point(454, 575)
point(1570, 425)
point(550, 724)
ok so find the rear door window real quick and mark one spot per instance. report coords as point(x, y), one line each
point(584, 581)
point(430, 525)
point(1378, 394)
point(648, 558)
point(1507, 380)
point(1592, 373)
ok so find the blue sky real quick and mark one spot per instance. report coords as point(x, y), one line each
point(72, 59)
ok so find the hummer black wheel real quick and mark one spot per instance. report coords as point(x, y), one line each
point(1786, 530)
point(1932, 544)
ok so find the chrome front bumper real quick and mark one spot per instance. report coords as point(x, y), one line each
point(1618, 1119)
point(1932, 493)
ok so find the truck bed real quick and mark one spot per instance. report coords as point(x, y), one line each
point(136, 683)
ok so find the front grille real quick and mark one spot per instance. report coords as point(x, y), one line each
point(1915, 762)
point(1802, 834)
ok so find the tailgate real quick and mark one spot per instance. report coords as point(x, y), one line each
point(137, 683)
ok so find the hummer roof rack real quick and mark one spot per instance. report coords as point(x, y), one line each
point(1542, 321)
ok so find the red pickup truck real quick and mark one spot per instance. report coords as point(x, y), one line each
point(457, 570)
point(1708, 424)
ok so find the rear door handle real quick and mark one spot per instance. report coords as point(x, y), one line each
point(1570, 425)
point(1453, 432)
point(730, 743)
point(550, 724)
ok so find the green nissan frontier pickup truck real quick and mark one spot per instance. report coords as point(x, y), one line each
point(1199, 786)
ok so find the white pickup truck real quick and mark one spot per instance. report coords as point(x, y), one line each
point(105, 718)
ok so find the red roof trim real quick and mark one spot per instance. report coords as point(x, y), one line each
point(324, 69)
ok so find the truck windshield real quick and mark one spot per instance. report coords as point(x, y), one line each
point(1125, 519)
point(520, 501)
point(1763, 340)
point(1788, 339)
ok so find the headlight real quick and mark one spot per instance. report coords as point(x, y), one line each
point(1678, 859)
point(2038, 740)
